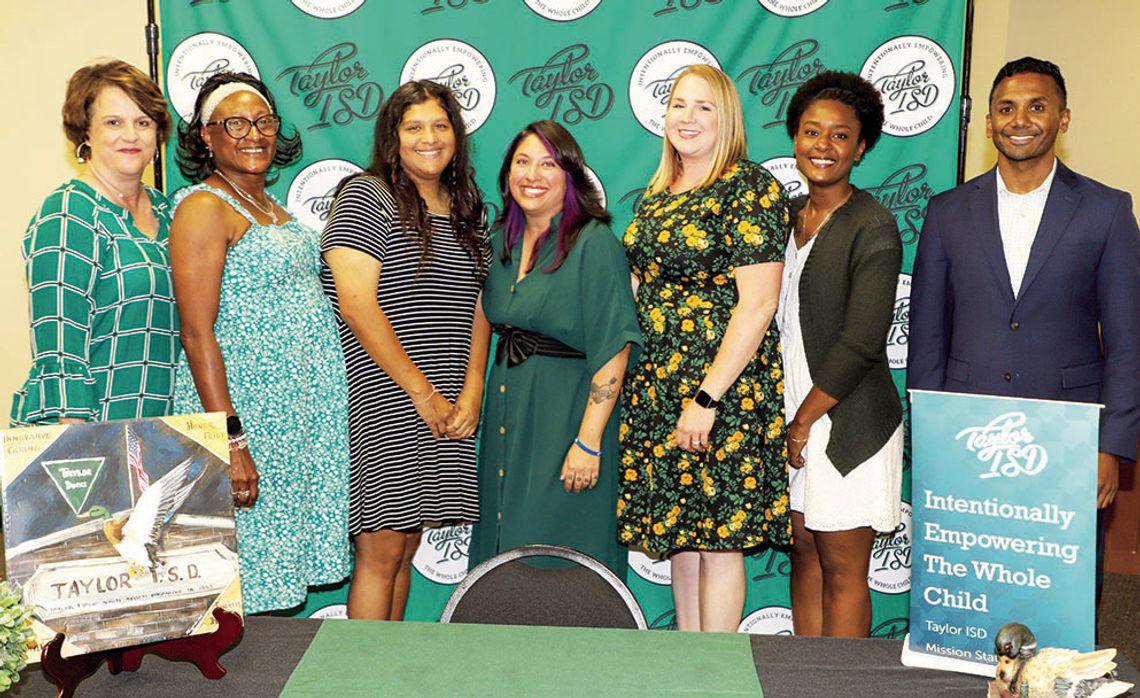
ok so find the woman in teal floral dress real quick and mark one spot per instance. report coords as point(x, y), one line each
point(261, 345)
point(104, 327)
point(703, 461)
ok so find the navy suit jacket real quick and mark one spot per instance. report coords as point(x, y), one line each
point(968, 333)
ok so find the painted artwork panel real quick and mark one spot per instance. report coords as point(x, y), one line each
point(120, 533)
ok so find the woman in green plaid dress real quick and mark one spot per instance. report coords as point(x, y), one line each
point(104, 328)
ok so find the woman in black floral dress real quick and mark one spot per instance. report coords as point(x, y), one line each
point(703, 462)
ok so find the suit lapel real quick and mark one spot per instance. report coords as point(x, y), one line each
point(983, 213)
point(1059, 209)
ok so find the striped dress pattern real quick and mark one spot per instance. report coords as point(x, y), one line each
point(401, 478)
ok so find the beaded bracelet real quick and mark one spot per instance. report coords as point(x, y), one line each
point(587, 449)
point(239, 441)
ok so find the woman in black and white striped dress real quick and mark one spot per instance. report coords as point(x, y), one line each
point(405, 253)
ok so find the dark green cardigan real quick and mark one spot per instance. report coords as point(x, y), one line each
point(847, 297)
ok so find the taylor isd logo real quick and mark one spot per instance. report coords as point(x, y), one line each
point(338, 611)
point(916, 78)
point(460, 67)
point(568, 85)
point(653, 76)
point(889, 572)
point(672, 6)
point(311, 191)
point(786, 172)
point(335, 84)
point(770, 620)
point(328, 9)
point(197, 58)
point(1006, 445)
point(563, 10)
point(897, 345)
point(441, 5)
point(776, 81)
point(906, 193)
point(654, 570)
point(73, 478)
point(792, 8)
point(442, 555)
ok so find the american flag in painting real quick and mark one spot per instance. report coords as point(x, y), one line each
point(134, 460)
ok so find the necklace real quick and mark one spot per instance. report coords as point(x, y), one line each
point(266, 209)
point(114, 190)
point(801, 220)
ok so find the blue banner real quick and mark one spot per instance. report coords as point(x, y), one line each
point(1004, 497)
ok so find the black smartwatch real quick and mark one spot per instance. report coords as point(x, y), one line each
point(233, 425)
point(705, 400)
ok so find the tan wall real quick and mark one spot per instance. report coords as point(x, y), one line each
point(1095, 46)
point(42, 43)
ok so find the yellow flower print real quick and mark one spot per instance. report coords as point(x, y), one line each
point(687, 325)
point(681, 539)
point(720, 279)
point(722, 531)
point(633, 399)
point(658, 529)
point(659, 451)
point(620, 506)
point(630, 475)
point(693, 301)
point(666, 293)
point(749, 483)
point(774, 189)
point(747, 404)
point(660, 372)
point(709, 489)
point(746, 467)
point(651, 391)
point(765, 202)
point(684, 310)
point(663, 236)
point(626, 536)
point(686, 478)
point(719, 454)
point(623, 431)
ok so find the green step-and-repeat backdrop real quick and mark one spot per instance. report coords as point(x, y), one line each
point(603, 68)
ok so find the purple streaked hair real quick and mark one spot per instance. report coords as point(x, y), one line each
point(581, 203)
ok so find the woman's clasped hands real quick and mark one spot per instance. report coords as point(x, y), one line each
point(449, 420)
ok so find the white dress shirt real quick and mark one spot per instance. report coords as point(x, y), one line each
point(1019, 216)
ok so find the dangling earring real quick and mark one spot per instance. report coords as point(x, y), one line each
point(79, 152)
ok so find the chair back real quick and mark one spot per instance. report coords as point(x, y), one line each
point(506, 590)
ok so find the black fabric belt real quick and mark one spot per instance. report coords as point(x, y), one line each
point(519, 345)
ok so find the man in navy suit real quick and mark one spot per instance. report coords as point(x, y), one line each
point(1027, 278)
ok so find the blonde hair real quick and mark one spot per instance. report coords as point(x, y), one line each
point(731, 141)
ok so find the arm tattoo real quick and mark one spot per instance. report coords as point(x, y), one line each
point(602, 393)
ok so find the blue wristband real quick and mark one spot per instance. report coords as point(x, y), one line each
point(587, 449)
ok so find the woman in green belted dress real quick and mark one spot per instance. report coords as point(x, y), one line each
point(558, 294)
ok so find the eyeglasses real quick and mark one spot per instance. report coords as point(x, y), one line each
point(238, 126)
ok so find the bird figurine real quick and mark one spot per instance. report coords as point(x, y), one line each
point(1023, 671)
point(136, 538)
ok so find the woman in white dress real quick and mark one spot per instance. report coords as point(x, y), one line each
point(844, 434)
